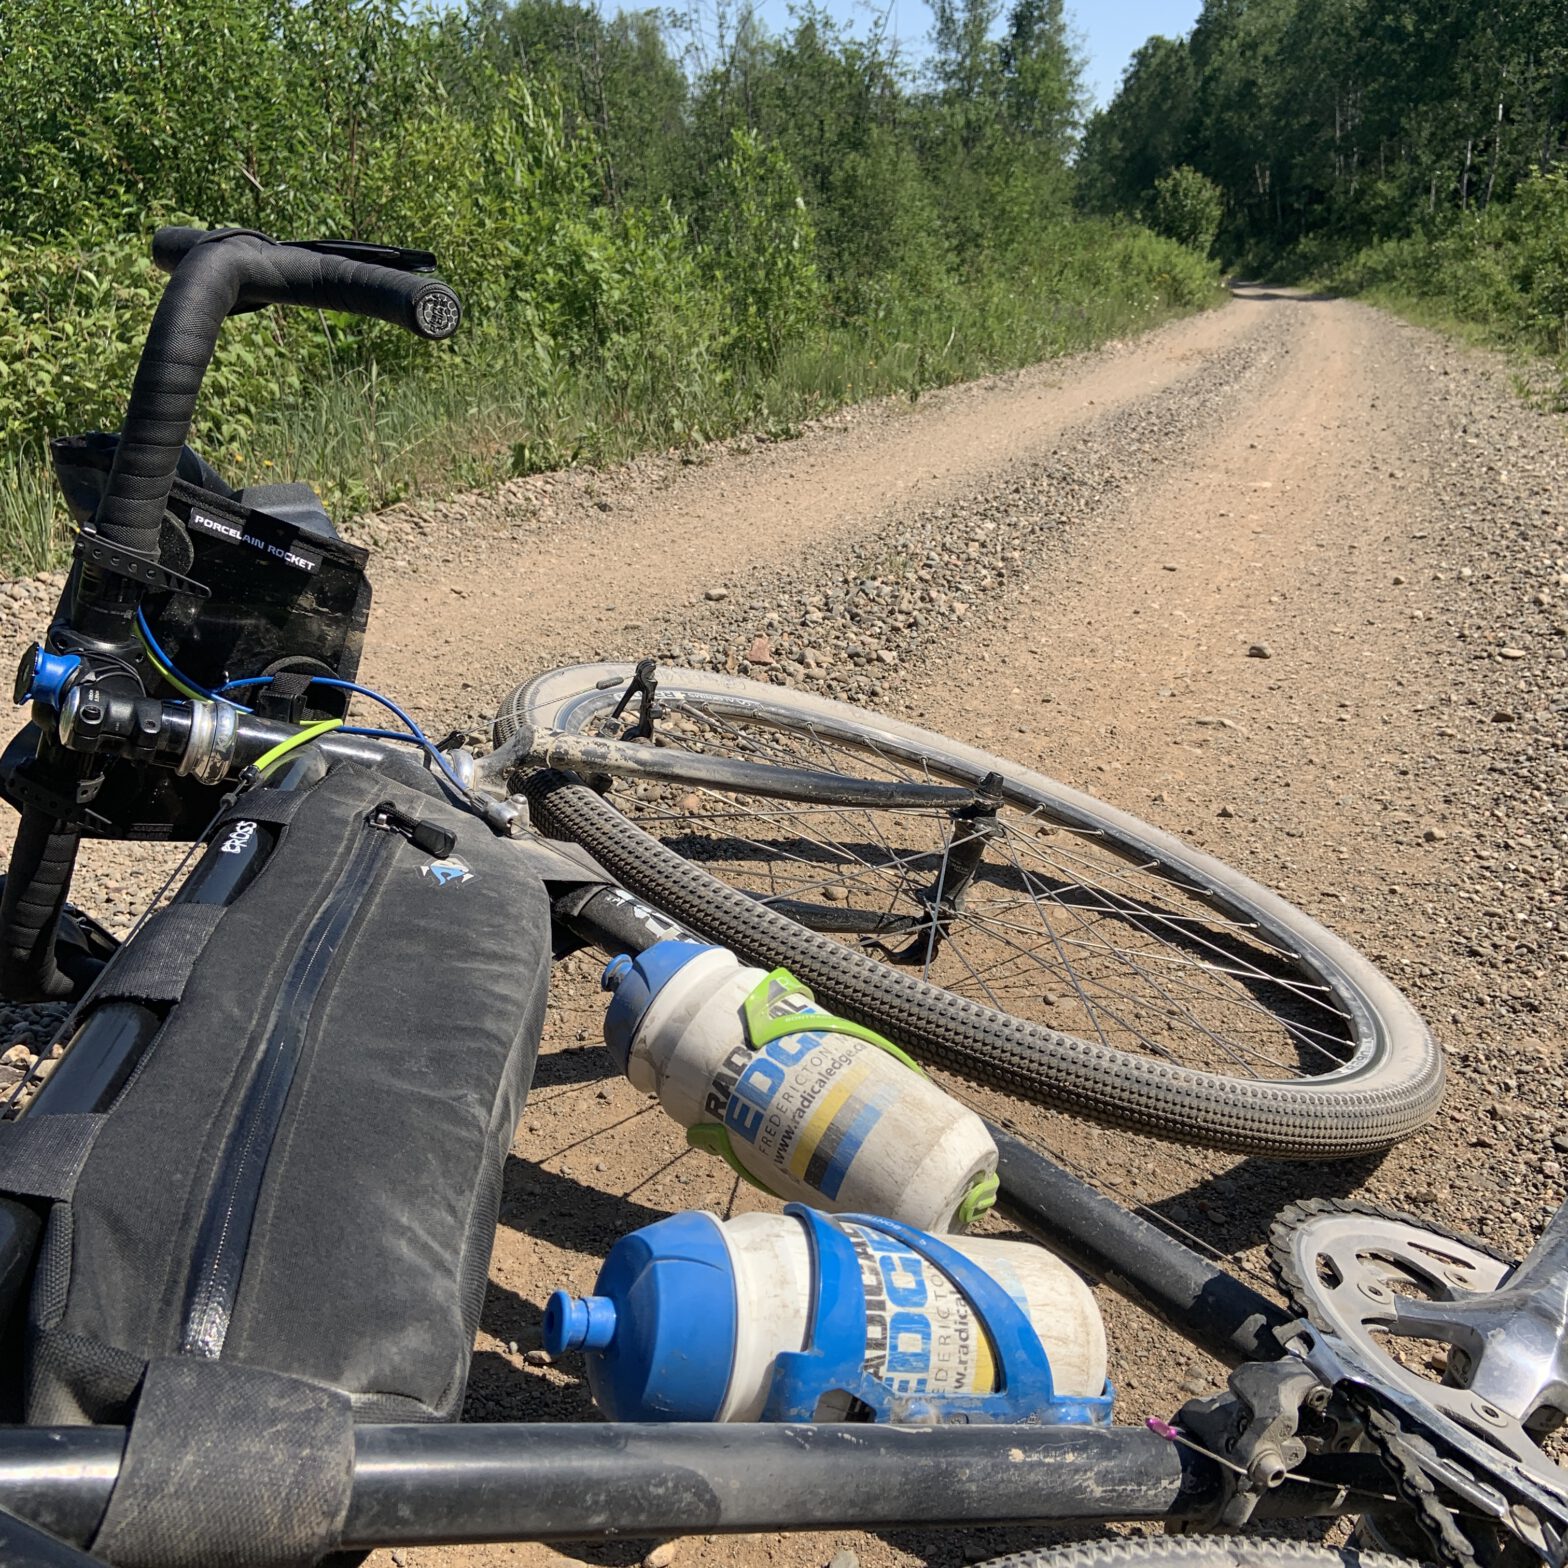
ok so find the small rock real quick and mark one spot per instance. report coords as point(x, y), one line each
point(1260, 650)
point(844, 1559)
point(399, 1558)
point(511, 1347)
point(1510, 653)
point(17, 1056)
point(662, 1555)
point(1399, 581)
point(1227, 811)
point(761, 650)
point(716, 595)
point(1169, 566)
point(1505, 716)
point(836, 893)
point(1434, 835)
point(538, 1358)
point(603, 505)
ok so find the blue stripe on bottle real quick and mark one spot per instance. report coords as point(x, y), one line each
point(836, 1153)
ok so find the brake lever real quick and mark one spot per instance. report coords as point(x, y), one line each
point(398, 257)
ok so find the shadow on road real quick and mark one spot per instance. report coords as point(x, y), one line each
point(1256, 291)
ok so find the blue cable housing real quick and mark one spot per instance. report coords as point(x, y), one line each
point(156, 649)
point(415, 734)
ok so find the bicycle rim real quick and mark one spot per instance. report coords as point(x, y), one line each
point(1123, 975)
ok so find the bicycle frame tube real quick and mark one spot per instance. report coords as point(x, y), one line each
point(530, 748)
point(1136, 1259)
point(424, 1485)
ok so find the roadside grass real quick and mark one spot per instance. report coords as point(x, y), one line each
point(32, 516)
point(366, 438)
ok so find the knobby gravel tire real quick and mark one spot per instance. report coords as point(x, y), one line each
point(1197, 1551)
point(1391, 1094)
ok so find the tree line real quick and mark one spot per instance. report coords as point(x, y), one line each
point(1354, 116)
point(664, 228)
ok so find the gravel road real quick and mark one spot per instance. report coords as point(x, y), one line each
point(1288, 579)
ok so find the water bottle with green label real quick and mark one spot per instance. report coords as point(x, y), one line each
point(807, 1106)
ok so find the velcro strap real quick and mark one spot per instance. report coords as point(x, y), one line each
point(155, 964)
point(228, 1466)
point(289, 684)
point(275, 806)
point(41, 1156)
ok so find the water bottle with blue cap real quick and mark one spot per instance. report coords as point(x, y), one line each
point(809, 1107)
point(803, 1316)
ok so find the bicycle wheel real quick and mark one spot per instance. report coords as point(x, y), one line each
point(1090, 962)
point(1197, 1551)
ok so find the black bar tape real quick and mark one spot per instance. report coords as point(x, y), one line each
point(218, 274)
point(37, 881)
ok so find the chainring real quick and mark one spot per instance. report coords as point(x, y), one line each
point(1350, 1269)
point(1347, 1267)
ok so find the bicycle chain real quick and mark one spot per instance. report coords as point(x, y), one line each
point(1451, 1547)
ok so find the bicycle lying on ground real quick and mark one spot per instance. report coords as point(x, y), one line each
point(235, 1324)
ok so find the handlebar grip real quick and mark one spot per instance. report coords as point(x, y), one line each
point(214, 274)
point(37, 882)
point(171, 246)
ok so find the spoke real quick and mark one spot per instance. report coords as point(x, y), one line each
point(958, 952)
point(1196, 936)
point(1228, 996)
point(1181, 1012)
point(1116, 930)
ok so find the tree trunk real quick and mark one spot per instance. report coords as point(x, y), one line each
point(1497, 151)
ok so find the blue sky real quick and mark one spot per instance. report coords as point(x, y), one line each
point(1112, 29)
point(1109, 30)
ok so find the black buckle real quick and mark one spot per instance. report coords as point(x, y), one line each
point(92, 550)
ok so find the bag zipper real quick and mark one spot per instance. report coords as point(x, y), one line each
point(224, 1234)
point(434, 840)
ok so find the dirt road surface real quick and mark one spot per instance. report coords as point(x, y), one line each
point(1287, 579)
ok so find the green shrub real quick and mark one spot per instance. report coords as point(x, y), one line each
point(1188, 208)
point(72, 323)
point(763, 253)
point(648, 255)
point(1504, 270)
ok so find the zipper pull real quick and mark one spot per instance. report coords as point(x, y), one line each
point(427, 836)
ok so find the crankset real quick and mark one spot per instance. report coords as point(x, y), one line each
point(1456, 1359)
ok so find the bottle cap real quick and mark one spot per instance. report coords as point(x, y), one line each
point(659, 1329)
point(635, 982)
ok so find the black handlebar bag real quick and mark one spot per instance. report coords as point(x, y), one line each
point(302, 1174)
